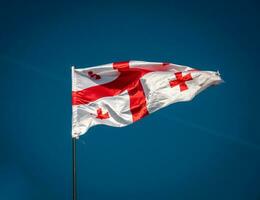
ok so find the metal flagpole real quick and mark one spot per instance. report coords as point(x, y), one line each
point(74, 178)
point(74, 187)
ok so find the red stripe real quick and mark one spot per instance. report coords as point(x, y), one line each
point(121, 66)
point(137, 102)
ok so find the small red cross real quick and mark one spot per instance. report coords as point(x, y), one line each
point(180, 80)
point(101, 115)
point(93, 75)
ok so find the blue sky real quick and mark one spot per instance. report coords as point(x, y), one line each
point(205, 149)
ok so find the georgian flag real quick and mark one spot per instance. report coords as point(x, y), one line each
point(121, 93)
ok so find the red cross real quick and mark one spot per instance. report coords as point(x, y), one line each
point(180, 80)
point(128, 80)
point(101, 115)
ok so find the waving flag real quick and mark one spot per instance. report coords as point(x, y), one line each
point(121, 93)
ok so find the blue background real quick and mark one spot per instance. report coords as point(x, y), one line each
point(205, 149)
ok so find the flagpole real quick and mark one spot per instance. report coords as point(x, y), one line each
point(74, 187)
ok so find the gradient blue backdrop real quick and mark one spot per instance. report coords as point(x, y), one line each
point(205, 149)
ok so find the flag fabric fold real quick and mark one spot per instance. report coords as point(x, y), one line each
point(121, 93)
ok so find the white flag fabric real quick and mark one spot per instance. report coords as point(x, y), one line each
point(121, 93)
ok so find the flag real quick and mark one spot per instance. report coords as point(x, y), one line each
point(121, 93)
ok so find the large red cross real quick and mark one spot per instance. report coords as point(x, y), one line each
point(181, 81)
point(128, 80)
